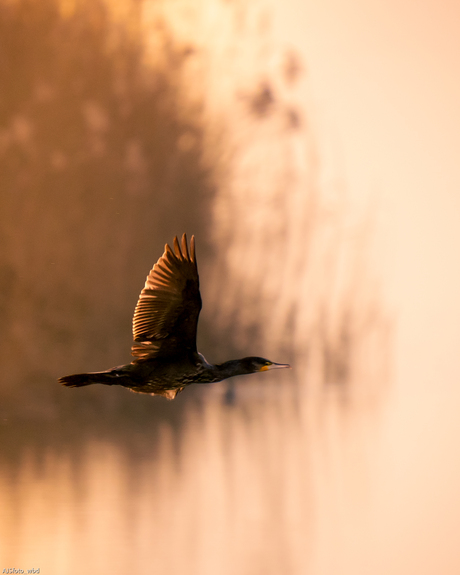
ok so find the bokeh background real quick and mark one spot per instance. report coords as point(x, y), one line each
point(312, 150)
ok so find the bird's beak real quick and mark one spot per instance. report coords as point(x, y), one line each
point(275, 366)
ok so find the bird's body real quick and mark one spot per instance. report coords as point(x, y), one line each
point(164, 331)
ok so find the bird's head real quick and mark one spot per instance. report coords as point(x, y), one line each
point(255, 364)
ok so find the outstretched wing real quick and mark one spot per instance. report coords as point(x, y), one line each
point(166, 315)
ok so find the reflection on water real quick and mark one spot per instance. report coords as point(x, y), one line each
point(244, 488)
point(230, 495)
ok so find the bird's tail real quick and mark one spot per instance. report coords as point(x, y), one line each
point(110, 377)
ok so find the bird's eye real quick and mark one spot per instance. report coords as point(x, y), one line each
point(268, 363)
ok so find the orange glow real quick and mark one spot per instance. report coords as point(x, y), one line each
point(269, 131)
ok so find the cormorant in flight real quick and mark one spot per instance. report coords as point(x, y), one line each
point(164, 332)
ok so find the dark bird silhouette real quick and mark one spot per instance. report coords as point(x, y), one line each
point(164, 332)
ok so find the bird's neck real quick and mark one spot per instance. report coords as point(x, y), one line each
point(229, 369)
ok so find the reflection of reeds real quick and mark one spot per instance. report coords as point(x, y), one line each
point(121, 127)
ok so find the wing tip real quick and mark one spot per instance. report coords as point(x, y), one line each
point(168, 252)
point(185, 247)
point(177, 248)
point(181, 250)
point(192, 250)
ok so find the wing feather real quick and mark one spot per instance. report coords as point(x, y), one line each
point(166, 315)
